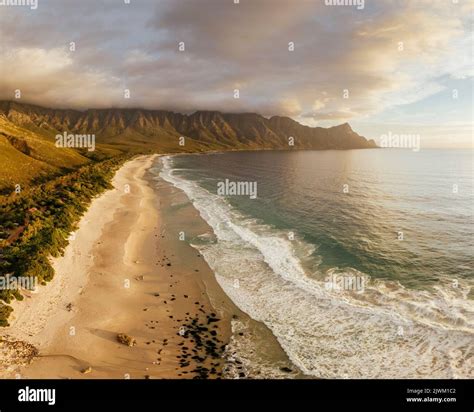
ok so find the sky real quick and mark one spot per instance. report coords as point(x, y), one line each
point(384, 66)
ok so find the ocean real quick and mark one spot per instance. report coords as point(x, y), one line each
point(360, 262)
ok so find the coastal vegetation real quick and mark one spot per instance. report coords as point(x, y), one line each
point(36, 223)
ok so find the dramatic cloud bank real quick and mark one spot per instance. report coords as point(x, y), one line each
point(317, 63)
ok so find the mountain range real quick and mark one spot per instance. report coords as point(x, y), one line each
point(28, 151)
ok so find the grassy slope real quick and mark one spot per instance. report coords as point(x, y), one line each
point(18, 168)
point(28, 155)
point(158, 141)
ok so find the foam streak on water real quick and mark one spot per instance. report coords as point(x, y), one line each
point(387, 331)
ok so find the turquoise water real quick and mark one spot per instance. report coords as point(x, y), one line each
point(394, 226)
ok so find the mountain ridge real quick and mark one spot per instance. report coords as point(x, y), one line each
point(243, 128)
point(28, 150)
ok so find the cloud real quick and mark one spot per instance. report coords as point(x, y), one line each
point(391, 53)
point(50, 76)
point(336, 115)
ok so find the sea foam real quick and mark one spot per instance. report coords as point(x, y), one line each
point(387, 331)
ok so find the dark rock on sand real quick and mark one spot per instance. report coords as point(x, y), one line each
point(126, 340)
point(285, 369)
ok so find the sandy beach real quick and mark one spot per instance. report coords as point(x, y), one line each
point(128, 271)
point(114, 278)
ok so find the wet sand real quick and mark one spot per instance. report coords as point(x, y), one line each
point(129, 270)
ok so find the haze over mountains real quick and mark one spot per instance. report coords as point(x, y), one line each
point(27, 135)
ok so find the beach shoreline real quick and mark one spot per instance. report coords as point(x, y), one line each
point(130, 269)
point(107, 283)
